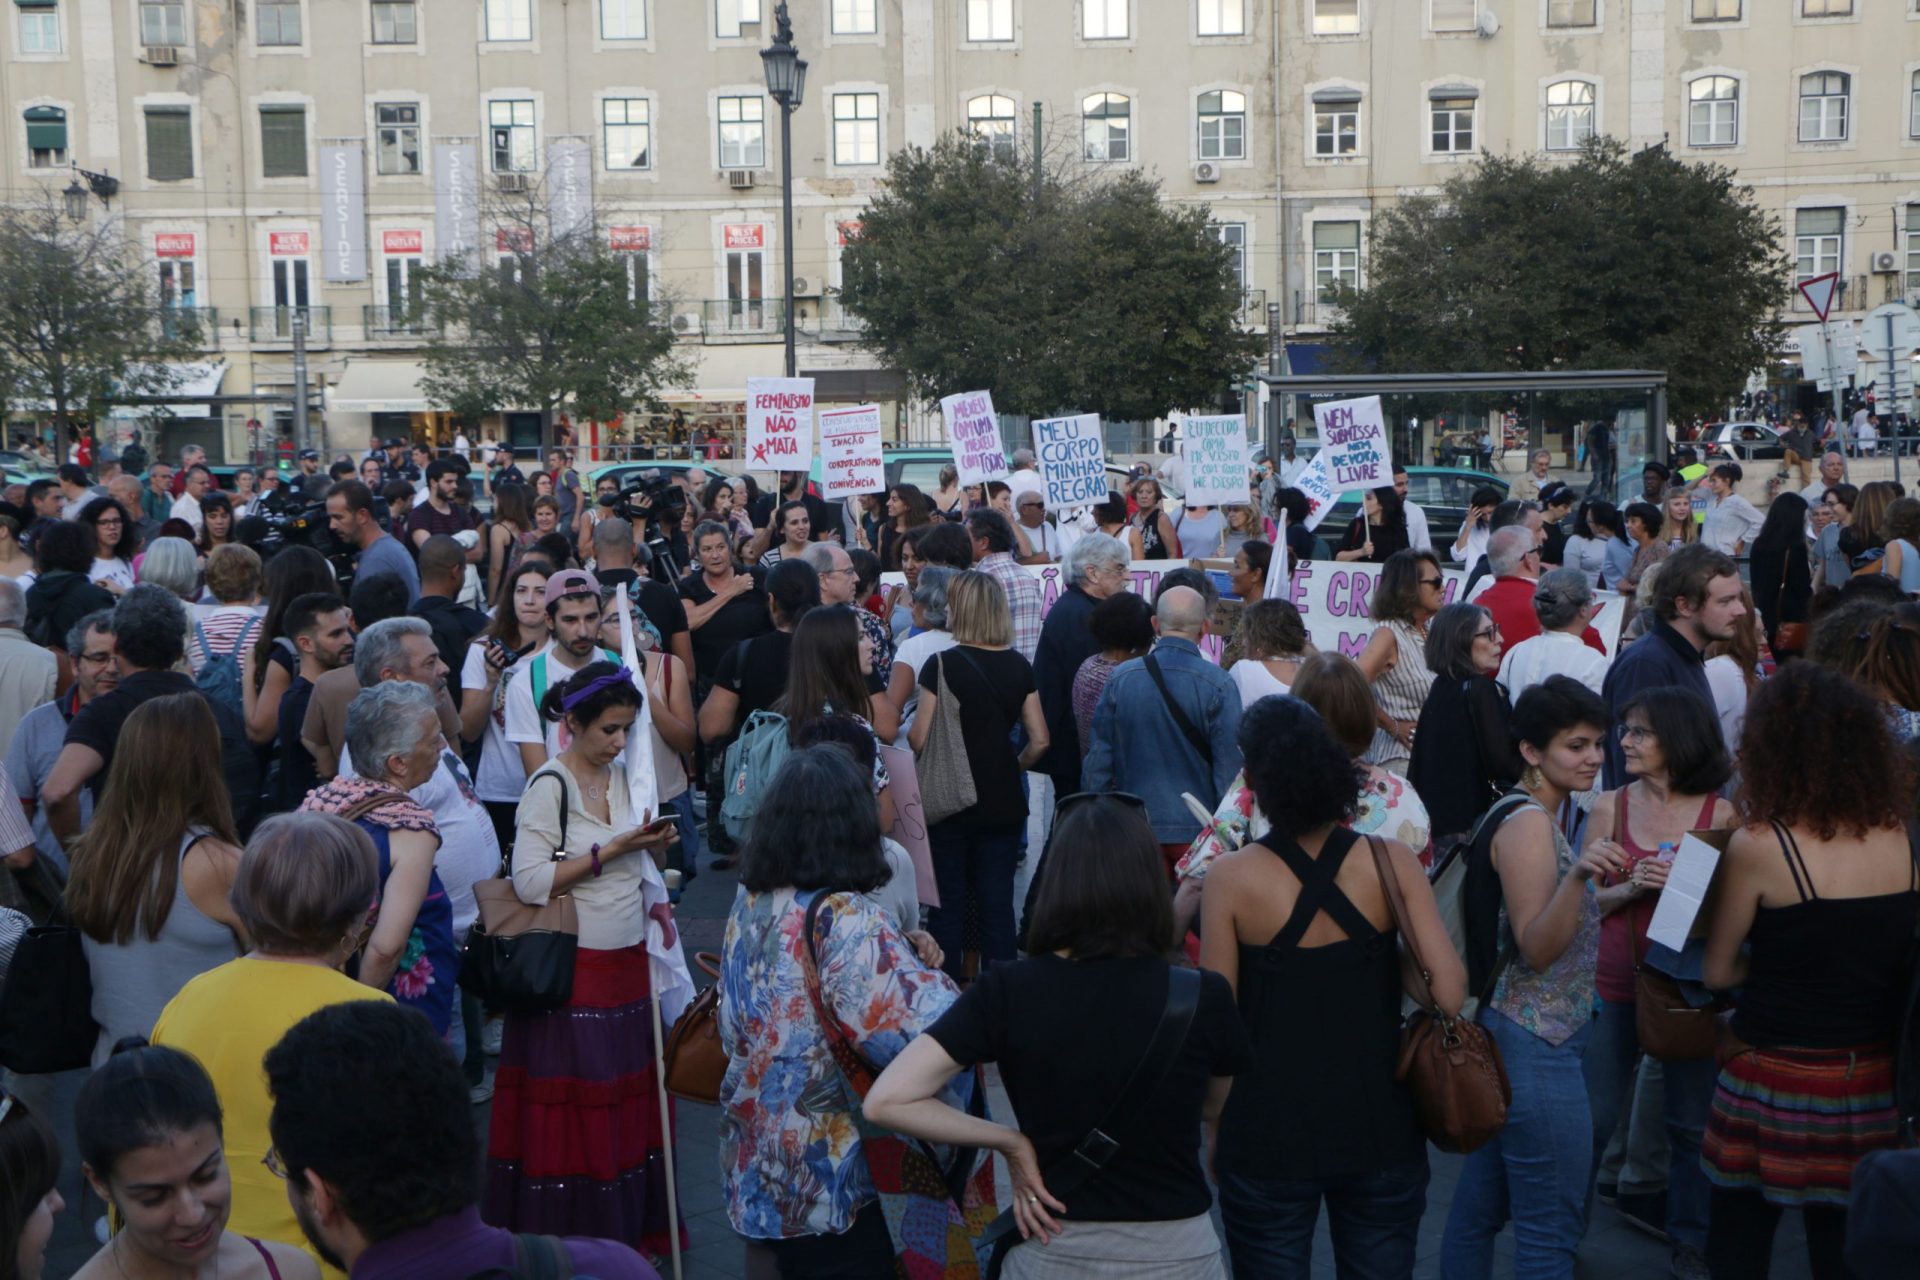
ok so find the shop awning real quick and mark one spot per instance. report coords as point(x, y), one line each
point(1307, 357)
point(190, 379)
point(379, 386)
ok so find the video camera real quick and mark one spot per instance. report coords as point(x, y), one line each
point(287, 521)
point(656, 506)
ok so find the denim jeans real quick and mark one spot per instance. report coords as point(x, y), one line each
point(687, 856)
point(1689, 1096)
point(1374, 1219)
point(1534, 1171)
point(974, 866)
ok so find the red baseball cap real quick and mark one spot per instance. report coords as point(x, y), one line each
point(571, 582)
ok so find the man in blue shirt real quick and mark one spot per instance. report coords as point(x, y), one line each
point(1167, 724)
point(350, 514)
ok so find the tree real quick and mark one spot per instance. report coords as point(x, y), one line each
point(556, 320)
point(81, 320)
point(1079, 290)
point(1612, 261)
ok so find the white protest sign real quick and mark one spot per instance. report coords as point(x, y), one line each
point(850, 461)
point(910, 820)
point(1314, 481)
point(1277, 561)
point(1216, 453)
point(1073, 460)
point(1353, 442)
point(974, 430)
point(780, 423)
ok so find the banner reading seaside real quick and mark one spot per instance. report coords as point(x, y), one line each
point(974, 430)
point(780, 423)
point(850, 460)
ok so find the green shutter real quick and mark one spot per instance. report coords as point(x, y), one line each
point(36, 4)
point(46, 129)
point(283, 141)
point(169, 143)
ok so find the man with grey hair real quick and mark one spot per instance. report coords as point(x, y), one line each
point(1513, 555)
point(1093, 568)
point(1167, 724)
point(28, 672)
point(838, 579)
point(1563, 604)
point(43, 730)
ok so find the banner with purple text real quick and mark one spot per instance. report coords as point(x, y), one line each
point(974, 429)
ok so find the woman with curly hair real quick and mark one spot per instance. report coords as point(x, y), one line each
point(116, 542)
point(1817, 901)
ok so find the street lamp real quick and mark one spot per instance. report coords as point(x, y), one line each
point(786, 85)
point(75, 196)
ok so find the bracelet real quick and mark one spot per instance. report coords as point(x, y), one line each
point(594, 853)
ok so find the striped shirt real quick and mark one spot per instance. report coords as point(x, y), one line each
point(1023, 599)
point(224, 624)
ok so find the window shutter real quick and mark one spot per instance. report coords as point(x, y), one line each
point(36, 4)
point(283, 141)
point(1455, 15)
point(169, 143)
point(46, 129)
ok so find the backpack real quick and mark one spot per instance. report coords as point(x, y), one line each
point(1467, 890)
point(219, 677)
point(534, 1258)
point(752, 760)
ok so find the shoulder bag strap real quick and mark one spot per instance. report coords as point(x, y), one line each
point(1397, 908)
point(1195, 739)
point(1502, 956)
point(368, 803)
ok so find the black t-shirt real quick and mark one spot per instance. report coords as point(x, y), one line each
point(298, 772)
point(757, 671)
point(740, 618)
point(509, 474)
point(1067, 1035)
point(991, 689)
point(98, 724)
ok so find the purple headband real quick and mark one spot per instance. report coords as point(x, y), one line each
point(572, 700)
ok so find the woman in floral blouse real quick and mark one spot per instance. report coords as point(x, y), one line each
point(791, 1157)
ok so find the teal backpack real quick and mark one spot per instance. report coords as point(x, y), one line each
point(752, 760)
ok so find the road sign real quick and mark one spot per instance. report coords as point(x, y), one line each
point(1894, 325)
point(1819, 292)
point(1828, 351)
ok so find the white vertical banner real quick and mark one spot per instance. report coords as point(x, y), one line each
point(1073, 460)
point(850, 460)
point(343, 213)
point(974, 429)
point(1277, 574)
point(569, 187)
point(456, 199)
point(780, 423)
point(1215, 449)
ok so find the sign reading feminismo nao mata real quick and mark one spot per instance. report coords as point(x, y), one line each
point(1353, 440)
point(780, 423)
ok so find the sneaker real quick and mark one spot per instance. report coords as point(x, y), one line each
point(1644, 1211)
point(482, 1092)
point(1607, 1193)
point(1689, 1263)
point(490, 1033)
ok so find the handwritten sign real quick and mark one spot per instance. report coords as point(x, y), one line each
point(1353, 441)
point(975, 432)
point(850, 461)
point(1073, 460)
point(1216, 453)
point(910, 820)
point(1317, 483)
point(780, 423)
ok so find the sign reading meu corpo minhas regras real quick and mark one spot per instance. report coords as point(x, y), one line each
point(850, 460)
point(1353, 440)
point(780, 423)
point(1073, 460)
point(975, 431)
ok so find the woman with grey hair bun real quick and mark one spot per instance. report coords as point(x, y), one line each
point(174, 564)
point(930, 637)
point(393, 736)
point(1563, 601)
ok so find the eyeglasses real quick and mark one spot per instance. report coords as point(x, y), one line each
point(1636, 733)
point(275, 1165)
point(1433, 582)
point(1488, 634)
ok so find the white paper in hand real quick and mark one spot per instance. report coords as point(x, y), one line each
point(1688, 882)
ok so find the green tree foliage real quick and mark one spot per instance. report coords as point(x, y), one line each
point(80, 316)
point(1093, 296)
point(1613, 261)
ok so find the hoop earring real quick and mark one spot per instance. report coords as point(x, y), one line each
point(1531, 779)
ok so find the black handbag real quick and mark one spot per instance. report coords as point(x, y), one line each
point(46, 1005)
point(519, 958)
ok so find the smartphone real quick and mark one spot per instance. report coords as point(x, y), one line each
point(660, 824)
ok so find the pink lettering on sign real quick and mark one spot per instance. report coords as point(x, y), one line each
point(847, 232)
point(513, 240)
point(782, 400)
point(630, 239)
point(402, 241)
point(287, 244)
point(744, 235)
point(173, 244)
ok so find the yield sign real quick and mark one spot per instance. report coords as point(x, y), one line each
point(1819, 291)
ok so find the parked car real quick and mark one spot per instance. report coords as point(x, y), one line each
point(1444, 493)
point(1741, 442)
point(20, 460)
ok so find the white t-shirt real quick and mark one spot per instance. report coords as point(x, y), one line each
point(1044, 540)
point(502, 777)
point(111, 571)
point(1729, 690)
point(523, 717)
point(913, 653)
point(469, 850)
point(1551, 653)
point(1251, 677)
point(187, 507)
point(1418, 536)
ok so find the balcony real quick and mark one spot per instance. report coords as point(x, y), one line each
point(405, 323)
point(744, 318)
point(1852, 296)
point(837, 324)
point(197, 325)
point(274, 325)
point(1253, 309)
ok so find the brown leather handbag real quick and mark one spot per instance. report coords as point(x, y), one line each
point(1451, 1067)
point(696, 1058)
point(1667, 1026)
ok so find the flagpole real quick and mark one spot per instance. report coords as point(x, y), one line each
point(666, 1113)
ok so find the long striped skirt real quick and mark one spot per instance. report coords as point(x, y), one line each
point(1792, 1123)
point(576, 1147)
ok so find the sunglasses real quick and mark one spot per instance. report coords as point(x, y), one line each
point(1432, 582)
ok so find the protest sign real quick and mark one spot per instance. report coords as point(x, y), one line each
point(1277, 571)
point(910, 821)
point(1315, 481)
point(1073, 460)
point(850, 461)
point(780, 423)
point(1353, 443)
point(1216, 453)
point(974, 430)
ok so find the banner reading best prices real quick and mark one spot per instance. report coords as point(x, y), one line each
point(850, 460)
point(780, 424)
point(974, 429)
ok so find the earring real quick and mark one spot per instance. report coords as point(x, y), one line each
point(1530, 778)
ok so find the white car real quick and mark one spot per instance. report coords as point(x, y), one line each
point(1741, 442)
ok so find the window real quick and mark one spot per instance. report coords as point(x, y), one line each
point(404, 293)
point(1716, 10)
point(1826, 8)
point(1913, 251)
point(1913, 107)
point(1817, 237)
point(990, 118)
point(638, 283)
point(283, 140)
point(394, 22)
point(1453, 15)
point(1713, 112)
point(1823, 107)
point(743, 133)
point(276, 22)
point(176, 282)
point(169, 143)
point(396, 137)
point(1572, 13)
point(1105, 120)
point(1336, 122)
point(1103, 19)
point(628, 125)
point(746, 287)
point(1450, 115)
point(1222, 18)
point(623, 19)
point(510, 129)
point(855, 17)
point(1336, 17)
point(856, 128)
point(1336, 257)
point(46, 137)
point(39, 26)
point(731, 15)
point(1569, 114)
point(509, 20)
point(1223, 125)
point(989, 21)
point(163, 22)
point(1234, 236)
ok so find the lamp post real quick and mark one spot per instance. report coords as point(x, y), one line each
point(786, 85)
point(75, 196)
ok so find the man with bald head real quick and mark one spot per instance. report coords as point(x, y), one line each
point(1167, 724)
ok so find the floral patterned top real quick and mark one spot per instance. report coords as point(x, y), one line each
point(1558, 1002)
point(1388, 807)
point(790, 1154)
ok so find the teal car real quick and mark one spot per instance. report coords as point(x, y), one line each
point(1444, 493)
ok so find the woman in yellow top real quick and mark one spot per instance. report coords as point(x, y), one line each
point(305, 887)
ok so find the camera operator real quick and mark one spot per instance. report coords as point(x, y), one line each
point(657, 508)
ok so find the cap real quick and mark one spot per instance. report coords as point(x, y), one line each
point(309, 455)
point(571, 582)
point(1554, 494)
point(393, 442)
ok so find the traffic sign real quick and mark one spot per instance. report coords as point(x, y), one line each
point(1819, 292)
point(1903, 336)
point(1835, 338)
